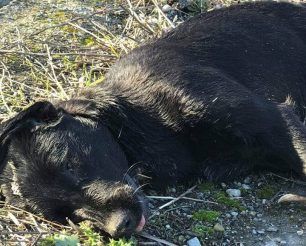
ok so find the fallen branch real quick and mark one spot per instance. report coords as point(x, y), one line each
point(178, 198)
point(156, 239)
point(184, 198)
point(289, 180)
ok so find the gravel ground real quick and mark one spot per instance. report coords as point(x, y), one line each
point(254, 218)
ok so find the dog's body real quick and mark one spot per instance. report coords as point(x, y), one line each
point(206, 97)
point(208, 100)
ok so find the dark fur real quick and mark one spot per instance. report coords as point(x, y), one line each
point(208, 100)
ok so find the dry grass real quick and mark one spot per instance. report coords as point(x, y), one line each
point(50, 49)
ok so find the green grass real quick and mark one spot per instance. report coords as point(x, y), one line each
point(206, 215)
point(202, 230)
point(266, 192)
point(86, 236)
point(222, 198)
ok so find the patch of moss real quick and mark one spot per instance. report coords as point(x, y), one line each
point(207, 187)
point(266, 192)
point(206, 215)
point(202, 230)
point(222, 198)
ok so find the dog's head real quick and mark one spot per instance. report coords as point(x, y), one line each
point(66, 163)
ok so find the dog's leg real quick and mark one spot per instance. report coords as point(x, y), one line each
point(297, 132)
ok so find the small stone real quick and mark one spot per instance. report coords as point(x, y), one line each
point(264, 201)
point(254, 232)
point(247, 180)
point(168, 226)
point(282, 242)
point(218, 227)
point(272, 229)
point(193, 242)
point(253, 213)
point(227, 215)
point(300, 232)
point(259, 215)
point(262, 231)
point(246, 187)
point(277, 239)
point(233, 192)
point(166, 8)
point(234, 214)
point(223, 185)
point(181, 238)
point(173, 190)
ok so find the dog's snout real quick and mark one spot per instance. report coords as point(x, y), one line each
point(125, 226)
point(121, 224)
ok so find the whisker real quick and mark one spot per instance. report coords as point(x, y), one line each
point(130, 169)
point(139, 187)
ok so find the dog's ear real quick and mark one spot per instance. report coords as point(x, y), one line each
point(38, 113)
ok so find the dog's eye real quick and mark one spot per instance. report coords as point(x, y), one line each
point(69, 167)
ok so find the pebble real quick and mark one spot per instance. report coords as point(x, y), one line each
point(173, 190)
point(277, 239)
point(300, 232)
point(223, 185)
point(262, 231)
point(235, 214)
point(246, 187)
point(193, 242)
point(272, 229)
point(247, 180)
point(181, 238)
point(254, 232)
point(233, 192)
point(166, 8)
point(168, 226)
point(218, 227)
point(253, 213)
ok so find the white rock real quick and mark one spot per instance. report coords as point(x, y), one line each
point(166, 8)
point(193, 242)
point(218, 227)
point(234, 214)
point(272, 229)
point(246, 187)
point(247, 180)
point(262, 231)
point(300, 232)
point(233, 192)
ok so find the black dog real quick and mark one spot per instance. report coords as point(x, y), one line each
point(208, 100)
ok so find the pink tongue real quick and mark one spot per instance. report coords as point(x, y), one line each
point(141, 224)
